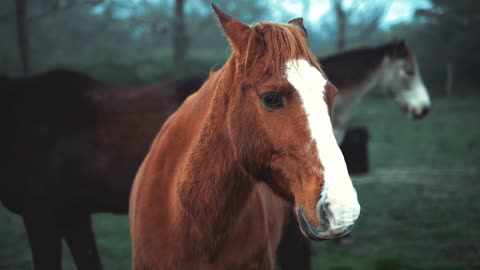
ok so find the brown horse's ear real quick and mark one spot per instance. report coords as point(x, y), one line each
point(236, 31)
point(299, 22)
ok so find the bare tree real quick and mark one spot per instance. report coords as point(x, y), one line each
point(451, 26)
point(180, 39)
point(22, 35)
point(305, 9)
point(22, 19)
point(357, 21)
point(341, 22)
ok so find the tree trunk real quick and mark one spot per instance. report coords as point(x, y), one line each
point(305, 9)
point(22, 35)
point(180, 41)
point(449, 77)
point(341, 18)
point(450, 56)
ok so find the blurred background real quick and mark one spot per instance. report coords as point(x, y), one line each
point(421, 207)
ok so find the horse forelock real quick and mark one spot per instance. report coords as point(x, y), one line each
point(269, 47)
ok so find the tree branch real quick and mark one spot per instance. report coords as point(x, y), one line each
point(55, 8)
point(448, 18)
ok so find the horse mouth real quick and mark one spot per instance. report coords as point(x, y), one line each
point(318, 233)
point(419, 114)
point(415, 113)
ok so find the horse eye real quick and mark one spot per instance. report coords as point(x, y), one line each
point(409, 71)
point(272, 100)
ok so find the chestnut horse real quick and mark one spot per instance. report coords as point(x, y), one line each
point(391, 67)
point(215, 189)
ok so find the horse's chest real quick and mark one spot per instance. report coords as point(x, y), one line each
point(254, 243)
point(259, 259)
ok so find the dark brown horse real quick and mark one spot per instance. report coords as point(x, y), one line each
point(216, 188)
point(73, 147)
point(40, 179)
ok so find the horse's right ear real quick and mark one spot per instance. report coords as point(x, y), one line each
point(398, 42)
point(299, 22)
point(236, 31)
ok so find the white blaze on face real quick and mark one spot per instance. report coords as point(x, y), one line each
point(409, 91)
point(338, 191)
point(416, 98)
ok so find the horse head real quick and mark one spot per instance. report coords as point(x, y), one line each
point(278, 117)
point(402, 80)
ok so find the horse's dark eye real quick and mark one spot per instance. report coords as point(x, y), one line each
point(410, 71)
point(272, 100)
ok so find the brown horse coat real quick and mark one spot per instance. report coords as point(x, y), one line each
point(183, 232)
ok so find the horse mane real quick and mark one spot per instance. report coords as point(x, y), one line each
point(275, 44)
point(395, 49)
point(352, 67)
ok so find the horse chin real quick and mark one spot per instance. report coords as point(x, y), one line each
point(318, 233)
point(416, 113)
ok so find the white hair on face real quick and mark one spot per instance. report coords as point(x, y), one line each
point(338, 190)
point(416, 98)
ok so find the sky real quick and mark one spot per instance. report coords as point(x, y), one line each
point(398, 10)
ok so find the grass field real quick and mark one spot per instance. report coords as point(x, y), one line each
point(420, 203)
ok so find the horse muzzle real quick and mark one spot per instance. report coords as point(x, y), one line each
point(332, 227)
point(416, 113)
point(420, 113)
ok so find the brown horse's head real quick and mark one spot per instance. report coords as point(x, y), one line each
point(278, 104)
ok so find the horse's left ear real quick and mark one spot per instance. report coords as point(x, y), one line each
point(299, 22)
point(236, 31)
point(397, 42)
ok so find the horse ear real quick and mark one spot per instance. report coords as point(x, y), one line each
point(398, 42)
point(299, 22)
point(401, 46)
point(236, 31)
point(397, 48)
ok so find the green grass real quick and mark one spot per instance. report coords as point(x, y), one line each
point(420, 207)
point(420, 203)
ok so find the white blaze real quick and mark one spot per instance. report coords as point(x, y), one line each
point(338, 190)
point(416, 97)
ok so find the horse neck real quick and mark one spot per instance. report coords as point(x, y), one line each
point(355, 70)
point(215, 188)
point(353, 87)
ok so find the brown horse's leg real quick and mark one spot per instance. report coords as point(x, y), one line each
point(294, 249)
point(44, 239)
point(80, 239)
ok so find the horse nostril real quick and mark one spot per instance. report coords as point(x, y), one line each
point(422, 113)
point(325, 215)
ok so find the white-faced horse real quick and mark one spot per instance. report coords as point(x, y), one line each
point(391, 67)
